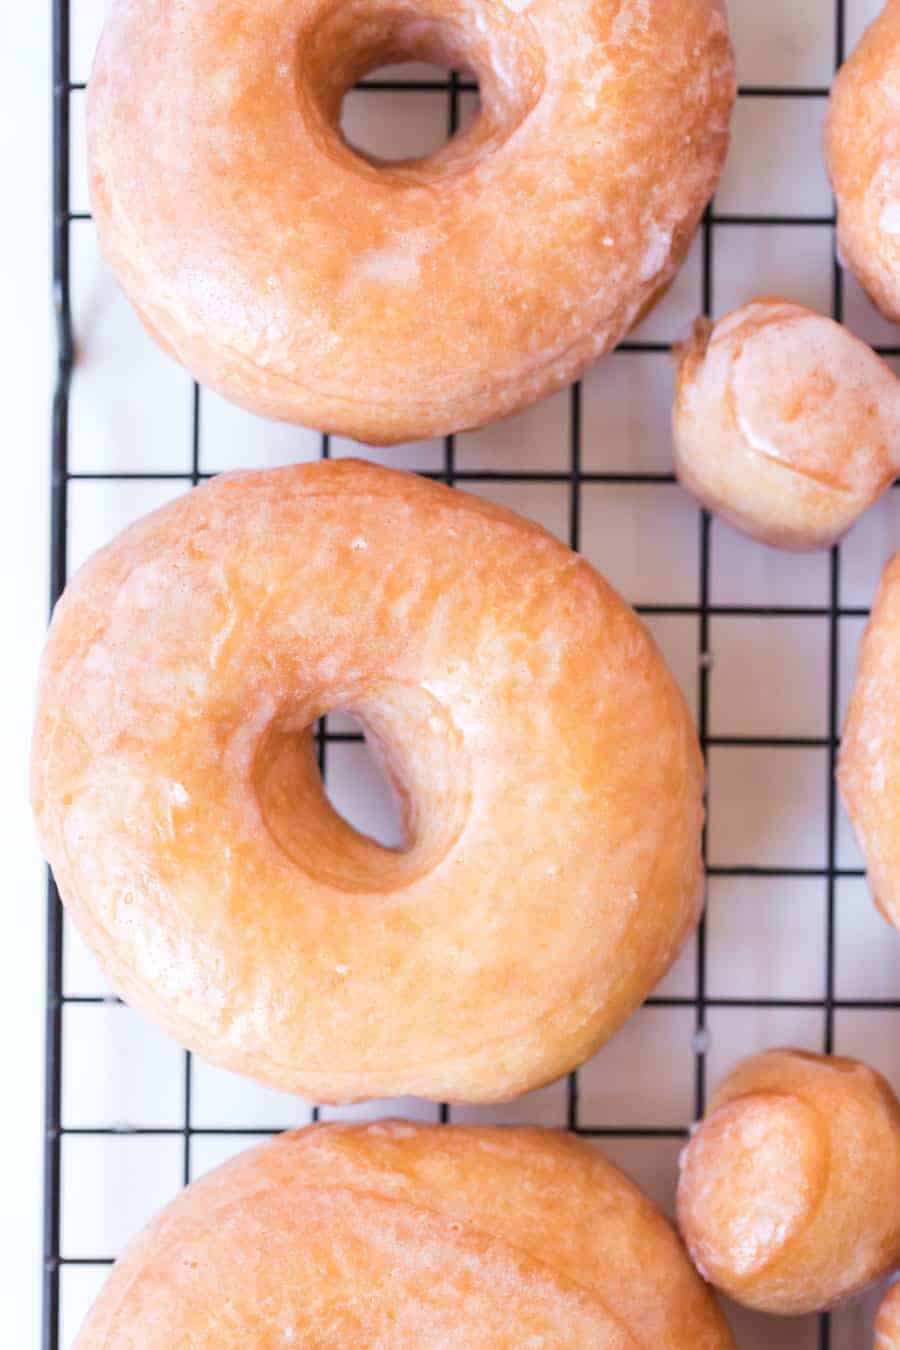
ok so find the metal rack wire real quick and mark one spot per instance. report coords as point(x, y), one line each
point(575, 477)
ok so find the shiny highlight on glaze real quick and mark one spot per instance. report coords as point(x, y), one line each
point(548, 776)
point(396, 301)
point(789, 1193)
point(785, 424)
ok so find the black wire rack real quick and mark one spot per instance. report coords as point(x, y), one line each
point(575, 477)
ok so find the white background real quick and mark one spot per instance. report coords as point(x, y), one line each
point(25, 371)
point(769, 675)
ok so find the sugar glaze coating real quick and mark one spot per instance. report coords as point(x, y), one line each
point(414, 1237)
point(785, 424)
point(887, 1323)
point(396, 301)
point(548, 774)
point(869, 767)
point(789, 1194)
point(863, 152)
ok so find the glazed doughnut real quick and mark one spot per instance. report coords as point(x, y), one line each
point(785, 424)
point(869, 766)
point(789, 1196)
point(415, 1236)
point(863, 152)
point(394, 301)
point(887, 1323)
point(548, 774)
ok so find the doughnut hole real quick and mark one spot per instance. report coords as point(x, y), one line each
point(802, 399)
point(386, 126)
point(418, 748)
point(751, 1177)
point(501, 51)
point(356, 786)
point(785, 424)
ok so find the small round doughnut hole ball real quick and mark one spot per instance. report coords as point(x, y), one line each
point(785, 424)
point(887, 1323)
point(789, 1194)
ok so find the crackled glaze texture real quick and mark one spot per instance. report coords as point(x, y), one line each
point(869, 770)
point(548, 772)
point(396, 301)
point(789, 1196)
point(785, 424)
point(863, 145)
point(887, 1323)
point(413, 1237)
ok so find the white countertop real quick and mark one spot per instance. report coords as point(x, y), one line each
point(25, 372)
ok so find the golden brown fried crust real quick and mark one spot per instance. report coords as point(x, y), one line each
point(863, 152)
point(785, 424)
point(391, 302)
point(869, 769)
point(417, 1237)
point(789, 1196)
point(548, 773)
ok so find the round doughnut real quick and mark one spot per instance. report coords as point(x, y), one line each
point(548, 774)
point(417, 1236)
point(887, 1323)
point(789, 1195)
point(785, 424)
point(393, 301)
point(863, 154)
point(869, 765)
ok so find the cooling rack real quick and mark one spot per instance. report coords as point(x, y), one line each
point(763, 645)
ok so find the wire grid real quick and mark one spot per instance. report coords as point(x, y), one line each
point(575, 477)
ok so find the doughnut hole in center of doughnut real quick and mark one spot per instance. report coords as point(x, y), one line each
point(420, 751)
point(501, 51)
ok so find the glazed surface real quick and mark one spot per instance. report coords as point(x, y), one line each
point(887, 1323)
point(785, 424)
point(547, 770)
point(413, 1236)
point(869, 769)
point(863, 145)
point(395, 301)
point(789, 1195)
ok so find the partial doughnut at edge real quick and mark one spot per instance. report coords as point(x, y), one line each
point(789, 1194)
point(863, 153)
point(887, 1323)
point(785, 424)
point(411, 1236)
point(869, 766)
